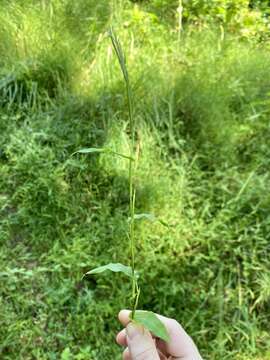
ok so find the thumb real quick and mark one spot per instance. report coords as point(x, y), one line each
point(140, 343)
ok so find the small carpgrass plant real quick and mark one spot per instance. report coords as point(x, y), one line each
point(145, 318)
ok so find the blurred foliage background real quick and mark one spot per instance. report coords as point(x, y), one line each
point(200, 75)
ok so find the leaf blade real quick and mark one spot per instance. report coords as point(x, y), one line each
point(114, 267)
point(89, 150)
point(120, 155)
point(102, 150)
point(151, 322)
point(150, 217)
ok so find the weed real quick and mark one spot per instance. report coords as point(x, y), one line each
point(202, 115)
point(145, 318)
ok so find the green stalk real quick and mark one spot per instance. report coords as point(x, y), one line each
point(132, 191)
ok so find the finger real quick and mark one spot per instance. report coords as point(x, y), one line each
point(141, 344)
point(180, 345)
point(126, 355)
point(123, 317)
point(121, 338)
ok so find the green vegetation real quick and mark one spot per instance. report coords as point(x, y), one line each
point(148, 319)
point(202, 105)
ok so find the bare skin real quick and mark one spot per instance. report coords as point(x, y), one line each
point(141, 345)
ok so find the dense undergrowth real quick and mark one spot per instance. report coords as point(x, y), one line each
point(203, 105)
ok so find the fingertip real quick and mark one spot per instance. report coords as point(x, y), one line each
point(121, 338)
point(123, 317)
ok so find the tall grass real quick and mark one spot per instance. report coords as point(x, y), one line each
point(202, 110)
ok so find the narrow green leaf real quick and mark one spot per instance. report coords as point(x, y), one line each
point(151, 322)
point(112, 267)
point(150, 217)
point(89, 150)
point(119, 154)
point(102, 150)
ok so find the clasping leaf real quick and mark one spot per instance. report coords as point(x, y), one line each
point(112, 267)
point(151, 322)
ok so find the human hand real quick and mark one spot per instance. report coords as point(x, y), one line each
point(141, 345)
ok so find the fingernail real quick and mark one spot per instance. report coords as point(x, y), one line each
point(132, 331)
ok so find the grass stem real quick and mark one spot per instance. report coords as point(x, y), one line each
point(132, 192)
